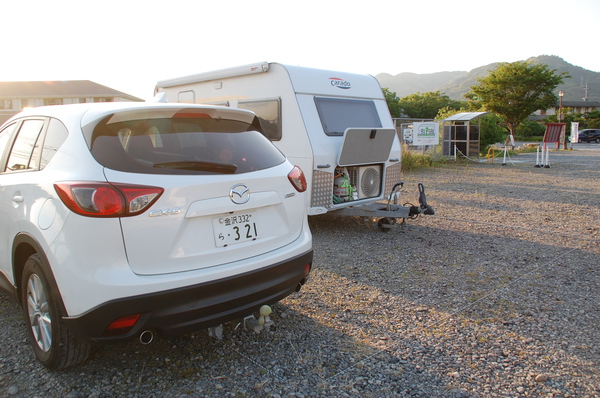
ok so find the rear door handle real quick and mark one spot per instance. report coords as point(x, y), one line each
point(18, 199)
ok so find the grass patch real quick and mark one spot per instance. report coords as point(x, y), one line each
point(413, 161)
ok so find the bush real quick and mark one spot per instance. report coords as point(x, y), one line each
point(492, 131)
point(412, 160)
point(530, 128)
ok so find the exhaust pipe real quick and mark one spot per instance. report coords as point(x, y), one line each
point(146, 337)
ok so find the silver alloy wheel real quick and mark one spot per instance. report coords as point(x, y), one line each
point(38, 309)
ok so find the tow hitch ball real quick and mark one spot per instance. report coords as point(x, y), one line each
point(263, 322)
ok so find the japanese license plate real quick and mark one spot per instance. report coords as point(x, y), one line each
point(235, 228)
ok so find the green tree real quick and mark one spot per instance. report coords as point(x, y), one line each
point(592, 120)
point(427, 105)
point(392, 102)
point(516, 90)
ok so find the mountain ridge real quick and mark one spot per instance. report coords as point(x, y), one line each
point(457, 83)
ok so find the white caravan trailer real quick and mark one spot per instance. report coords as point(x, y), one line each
point(336, 126)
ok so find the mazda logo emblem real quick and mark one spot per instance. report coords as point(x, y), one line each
point(239, 194)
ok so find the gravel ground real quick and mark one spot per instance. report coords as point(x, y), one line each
point(497, 295)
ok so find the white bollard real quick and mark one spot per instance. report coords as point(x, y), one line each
point(547, 164)
point(537, 157)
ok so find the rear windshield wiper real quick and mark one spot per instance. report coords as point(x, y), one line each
point(223, 168)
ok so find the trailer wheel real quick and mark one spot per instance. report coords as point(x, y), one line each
point(385, 224)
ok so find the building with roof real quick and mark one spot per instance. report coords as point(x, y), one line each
point(583, 107)
point(15, 96)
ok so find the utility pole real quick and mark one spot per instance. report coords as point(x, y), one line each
point(561, 94)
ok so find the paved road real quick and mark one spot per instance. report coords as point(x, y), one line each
point(582, 154)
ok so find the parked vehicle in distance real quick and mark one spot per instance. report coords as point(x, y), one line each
point(589, 135)
point(128, 219)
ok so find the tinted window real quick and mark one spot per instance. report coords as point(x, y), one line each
point(269, 114)
point(25, 152)
point(339, 114)
point(185, 143)
point(55, 136)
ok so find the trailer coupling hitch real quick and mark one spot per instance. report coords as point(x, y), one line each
point(423, 207)
point(263, 322)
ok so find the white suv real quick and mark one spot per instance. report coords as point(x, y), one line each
point(121, 218)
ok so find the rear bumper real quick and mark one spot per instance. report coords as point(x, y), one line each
point(196, 307)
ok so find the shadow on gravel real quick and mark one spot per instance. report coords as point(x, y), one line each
point(299, 356)
point(404, 313)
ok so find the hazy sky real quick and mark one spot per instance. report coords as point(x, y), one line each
point(129, 45)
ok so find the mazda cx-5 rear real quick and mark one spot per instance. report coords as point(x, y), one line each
point(120, 218)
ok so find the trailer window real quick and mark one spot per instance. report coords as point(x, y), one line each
point(339, 114)
point(269, 114)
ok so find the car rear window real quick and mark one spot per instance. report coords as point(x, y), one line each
point(188, 142)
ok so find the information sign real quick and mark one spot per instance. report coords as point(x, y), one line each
point(426, 133)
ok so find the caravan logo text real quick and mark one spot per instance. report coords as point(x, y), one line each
point(340, 83)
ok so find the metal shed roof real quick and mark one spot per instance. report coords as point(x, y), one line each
point(464, 116)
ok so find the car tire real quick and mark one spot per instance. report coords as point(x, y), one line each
point(52, 342)
point(597, 140)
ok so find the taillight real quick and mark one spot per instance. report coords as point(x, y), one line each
point(307, 268)
point(297, 178)
point(121, 325)
point(102, 199)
